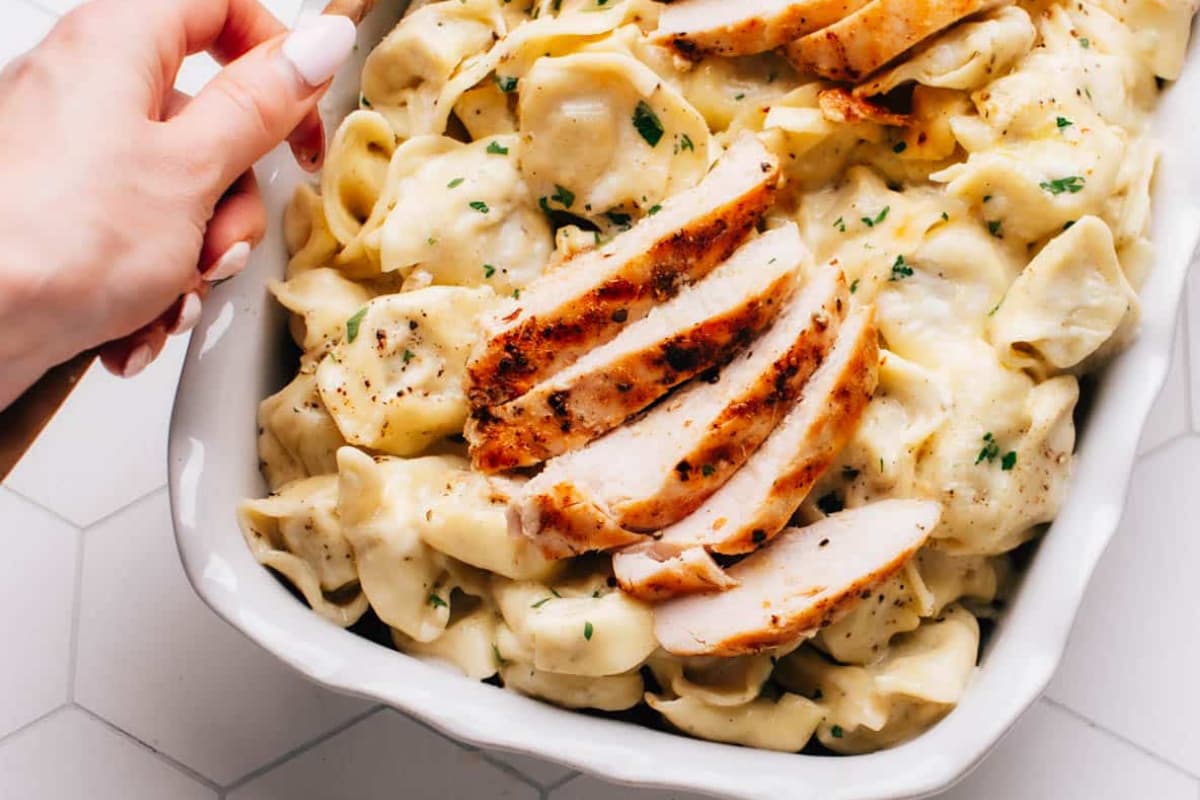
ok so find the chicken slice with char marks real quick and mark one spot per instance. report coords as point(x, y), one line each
point(696, 27)
point(665, 464)
point(761, 497)
point(802, 581)
point(701, 327)
point(584, 303)
point(857, 45)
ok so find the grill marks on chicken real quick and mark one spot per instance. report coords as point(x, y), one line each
point(757, 502)
point(662, 466)
point(587, 301)
point(701, 327)
point(804, 580)
point(697, 27)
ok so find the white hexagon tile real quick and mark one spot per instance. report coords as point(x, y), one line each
point(116, 681)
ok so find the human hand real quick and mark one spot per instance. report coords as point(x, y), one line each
point(126, 198)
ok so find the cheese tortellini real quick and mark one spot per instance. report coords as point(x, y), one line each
point(988, 193)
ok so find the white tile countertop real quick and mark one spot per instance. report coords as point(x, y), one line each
point(117, 682)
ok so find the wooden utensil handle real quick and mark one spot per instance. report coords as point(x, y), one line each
point(21, 422)
point(354, 9)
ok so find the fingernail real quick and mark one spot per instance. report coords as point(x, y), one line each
point(138, 360)
point(231, 262)
point(189, 314)
point(306, 154)
point(318, 47)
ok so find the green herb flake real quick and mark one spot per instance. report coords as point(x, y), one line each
point(541, 602)
point(648, 124)
point(588, 630)
point(995, 228)
point(1009, 461)
point(353, 323)
point(563, 196)
point(555, 593)
point(837, 732)
point(900, 269)
point(455, 182)
point(899, 147)
point(1072, 183)
point(945, 217)
point(840, 224)
point(854, 286)
point(739, 96)
point(654, 209)
point(508, 85)
point(685, 142)
point(1063, 122)
point(516, 294)
point(407, 356)
point(879, 218)
point(990, 449)
point(431, 241)
point(488, 270)
point(436, 601)
point(707, 470)
point(1085, 43)
point(500, 660)
point(619, 219)
point(479, 206)
point(497, 149)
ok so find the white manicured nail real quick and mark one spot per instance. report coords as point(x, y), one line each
point(231, 262)
point(318, 47)
point(189, 314)
point(138, 360)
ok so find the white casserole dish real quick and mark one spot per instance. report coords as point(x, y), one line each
point(235, 360)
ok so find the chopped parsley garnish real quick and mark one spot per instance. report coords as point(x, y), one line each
point(479, 206)
point(654, 209)
point(830, 503)
point(995, 228)
point(880, 217)
point(436, 601)
point(739, 95)
point(563, 196)
point(854, 286)
point(990, 449)
point(685, 142)
point(455, 182)
point(1072, 184)
point(588, 630)
point(353, 323)
point(647, 124)
point(541, 602)
point(900, 269)
point(840, 224)
point(707, 470)
point(497, 149)
point(837, 732)
point(488, 270)
point(508, 85)
point(516, 294)
point(1063, 122)
point(899, 147)
point(431, 241)
point(500, 660)
point(1009, 461)
point(1085, 43)
point(619, 219)
point(945, 217)
point(407, 356)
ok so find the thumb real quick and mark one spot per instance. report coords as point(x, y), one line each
point(257, 100)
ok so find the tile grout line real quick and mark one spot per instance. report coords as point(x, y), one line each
point(42, 507)
point(303, 748)
point(563, 781)
point(1163, 445)
point(162, 487)
point(18, 731)
point(169, 760)
point(76, 615)
point(1120, 737)
point(512, 771)
point(44, 9)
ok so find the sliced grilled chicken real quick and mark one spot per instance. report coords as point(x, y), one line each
point(702, 326)
point(662, 466)
point(588, 300)
point(761, 497)
point(654, 572)
point(861, 43)
point(804, 580)
point(696, 27)
point(758, 501)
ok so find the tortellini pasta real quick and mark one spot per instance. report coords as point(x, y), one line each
point(633, 140)
point(988, 194)
point(394, 382)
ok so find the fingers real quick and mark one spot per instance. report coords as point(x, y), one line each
point(129, 355)
point(238, 224)
point(260, 98)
